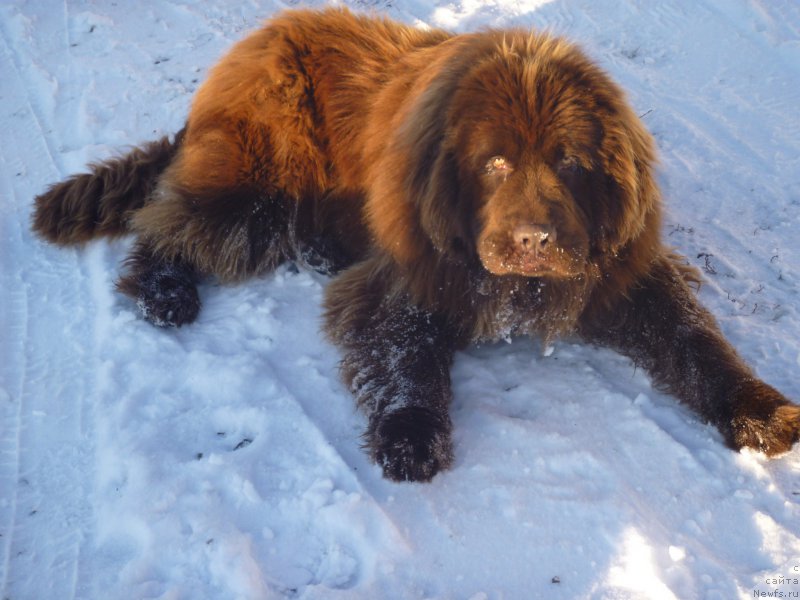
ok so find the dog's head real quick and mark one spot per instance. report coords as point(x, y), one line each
point(518, 152)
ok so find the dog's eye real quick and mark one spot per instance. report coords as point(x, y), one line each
point(569, 164)
point(498, 165)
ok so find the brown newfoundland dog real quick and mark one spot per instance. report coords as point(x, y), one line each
point(464, 188)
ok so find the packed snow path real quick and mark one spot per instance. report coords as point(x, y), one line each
point(222, 460)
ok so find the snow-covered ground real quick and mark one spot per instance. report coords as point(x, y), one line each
point(222, 460)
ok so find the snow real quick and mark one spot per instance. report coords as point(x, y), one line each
point(222, 460)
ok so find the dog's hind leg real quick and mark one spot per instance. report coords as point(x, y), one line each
point(251, 164)
point(184, 237)
point(220, 210)
point(229, 234)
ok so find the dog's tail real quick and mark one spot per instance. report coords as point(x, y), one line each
point(101, 202)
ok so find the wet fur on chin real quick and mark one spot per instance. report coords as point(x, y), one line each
point(408, 161)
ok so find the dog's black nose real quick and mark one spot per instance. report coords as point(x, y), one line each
point(533, 237)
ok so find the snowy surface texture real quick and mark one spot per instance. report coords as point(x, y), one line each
point(222, 460)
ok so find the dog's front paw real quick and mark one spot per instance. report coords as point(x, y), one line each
point(411, 444)
point(763, 420)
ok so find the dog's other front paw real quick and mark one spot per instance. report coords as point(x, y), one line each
point(411, 444)
point(763, 419)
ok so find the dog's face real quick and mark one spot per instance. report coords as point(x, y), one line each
point(526, 157)
point(529, 222)
point(533, 195)
point(550, 150)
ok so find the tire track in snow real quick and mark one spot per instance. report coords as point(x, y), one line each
point(44, 451)
point(13, 65)
point(12, 321)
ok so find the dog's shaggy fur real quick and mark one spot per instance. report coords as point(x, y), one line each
point(468, 187)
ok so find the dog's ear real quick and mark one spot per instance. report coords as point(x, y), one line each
point(413, 206)
point(631, 201)
point(439, 202)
